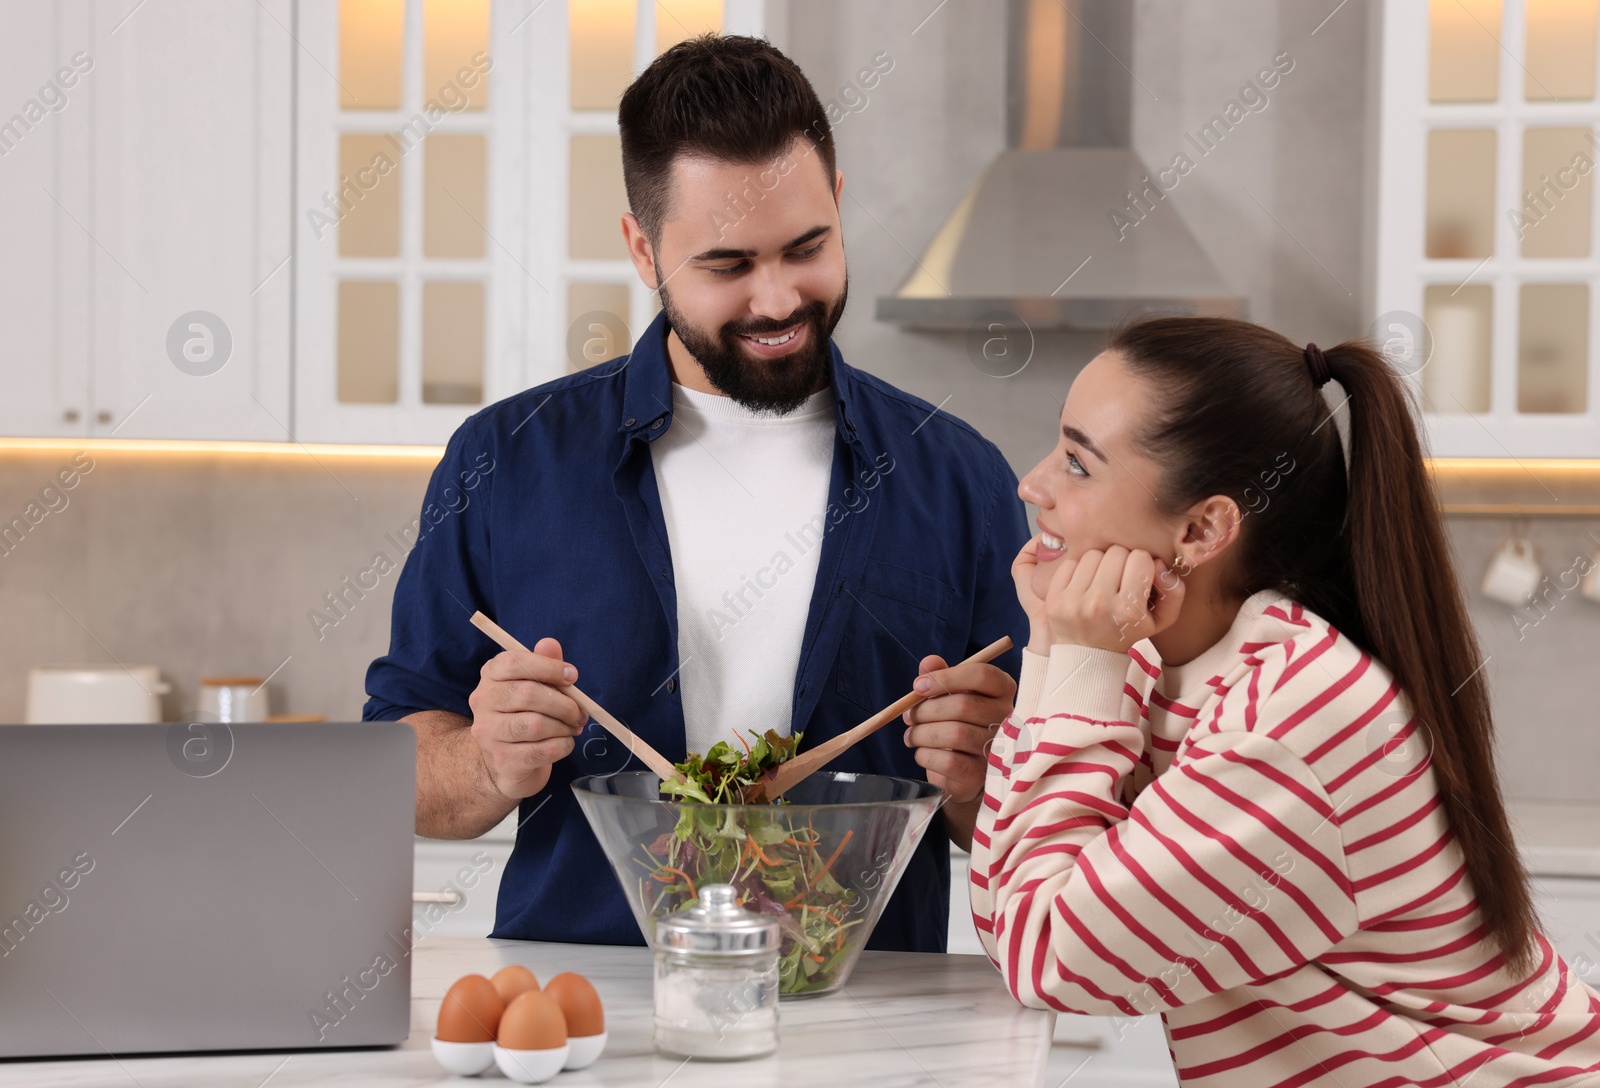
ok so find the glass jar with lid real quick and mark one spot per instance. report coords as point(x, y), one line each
point(716, 980)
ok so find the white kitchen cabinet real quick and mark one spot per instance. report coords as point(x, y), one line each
point(1557, 840)
point(519, 241)
point(190, 191)
point(1569, 908)
point(1483, 232)
point(45, 111)
point(455, 886)
point(144, 177)
point(412, 249)
point(179, 221)
point(456, 882)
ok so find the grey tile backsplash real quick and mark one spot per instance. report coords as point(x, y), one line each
point(203, 564)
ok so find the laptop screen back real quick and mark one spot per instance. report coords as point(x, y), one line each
point(194, 888)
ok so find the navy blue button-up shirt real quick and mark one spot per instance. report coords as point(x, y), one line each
point(544, 513)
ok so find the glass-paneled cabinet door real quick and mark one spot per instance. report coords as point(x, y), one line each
point(45, 66)
point(187, 218)
point(410, 219)
point(592, 305)
point(1487, 150)
point(460, 201)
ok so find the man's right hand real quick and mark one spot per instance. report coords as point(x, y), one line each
point(523, 720)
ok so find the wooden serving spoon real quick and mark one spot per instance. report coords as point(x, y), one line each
point(782, 778)
point(651, 758)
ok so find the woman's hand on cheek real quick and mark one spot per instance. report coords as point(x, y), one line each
point(1022, 571)
point(1104, 599)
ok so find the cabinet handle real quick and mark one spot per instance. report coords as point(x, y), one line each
point(436, 897)
point(70, 415)
point(103, 415)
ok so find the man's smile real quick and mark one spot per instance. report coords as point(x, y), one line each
point(773, 345)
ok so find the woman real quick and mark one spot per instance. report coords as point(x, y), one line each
point(1249, 781)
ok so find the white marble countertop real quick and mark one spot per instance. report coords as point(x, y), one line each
point(1557, 838)
point(905, 1019)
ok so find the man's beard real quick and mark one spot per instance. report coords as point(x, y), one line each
point(775, 386)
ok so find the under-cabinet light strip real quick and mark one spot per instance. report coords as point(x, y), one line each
point(211, 448)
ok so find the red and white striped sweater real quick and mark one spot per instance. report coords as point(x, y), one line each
point(1253, 846)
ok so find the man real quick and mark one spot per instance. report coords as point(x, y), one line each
point(728, 529)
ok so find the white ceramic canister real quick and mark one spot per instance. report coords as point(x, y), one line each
point(94, 694)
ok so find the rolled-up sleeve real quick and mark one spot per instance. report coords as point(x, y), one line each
point(435, 653)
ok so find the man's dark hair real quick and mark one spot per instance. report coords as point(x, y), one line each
point(728, 98)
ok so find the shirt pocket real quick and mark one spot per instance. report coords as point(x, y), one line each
point(898, 617)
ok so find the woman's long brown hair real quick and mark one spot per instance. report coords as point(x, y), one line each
point(1366, 552)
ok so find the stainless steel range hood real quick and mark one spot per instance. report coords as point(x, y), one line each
point(1036, 236)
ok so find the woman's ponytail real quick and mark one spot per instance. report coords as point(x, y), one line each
point(1414, 619)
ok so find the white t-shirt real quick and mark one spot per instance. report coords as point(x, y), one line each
point(744, 497)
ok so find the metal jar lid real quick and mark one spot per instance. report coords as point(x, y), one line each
point(717, 924)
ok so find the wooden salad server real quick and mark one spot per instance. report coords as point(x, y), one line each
point(634, 743)
point(782, 778)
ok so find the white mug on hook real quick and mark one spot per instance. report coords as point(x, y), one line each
point(1514, 573)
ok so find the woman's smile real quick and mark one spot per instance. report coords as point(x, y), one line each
point(1051, 547)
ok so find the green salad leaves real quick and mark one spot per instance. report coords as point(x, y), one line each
point(721, 776)
point(780, 866)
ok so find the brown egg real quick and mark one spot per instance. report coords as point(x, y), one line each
point(579, 1004)
point(470, 1011)
point(511, 981)
point(533, 1021)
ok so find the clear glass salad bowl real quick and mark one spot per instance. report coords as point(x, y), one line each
point(823, 862)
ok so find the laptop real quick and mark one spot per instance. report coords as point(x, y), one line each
point(204, 887)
